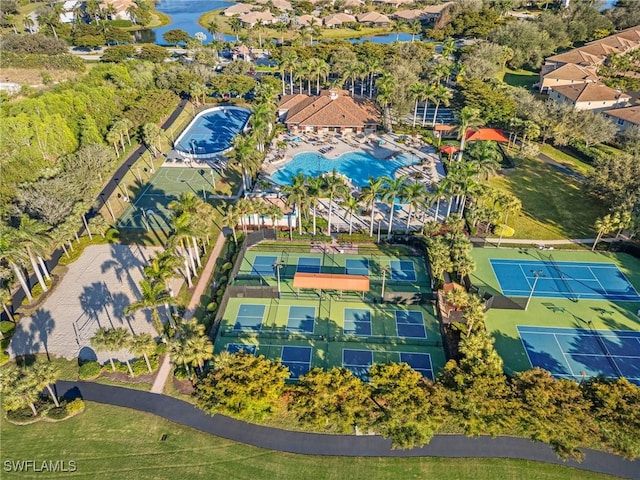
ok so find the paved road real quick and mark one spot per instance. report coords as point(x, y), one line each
point(340, 445)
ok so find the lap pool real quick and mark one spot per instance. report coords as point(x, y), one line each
point(357, 166)
point(212, 131)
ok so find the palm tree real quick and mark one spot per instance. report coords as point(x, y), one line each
point(315, 189)
point(373, 65)
point(231, 220)
point(44, 374)
point(415, 27)
point(288, 63)
point(386, 87)
point(189, 203)
point(439, 193)
point(469, 118)
point(153, 294)
point(393, 188)
point(18, 390)
point(191, 345)
point(274, 213)
point(143, 344)
point(370, 194)
point(334, 188)
point(113, 137)
point(201, 350)
point(320, 69)
point(417, 93)
point(119, 339)
point(603, 226)
point(351, 206)
point(6, 299)
point(441, 95)
point(351, 73)
point(197, 92)
point(236, 26)
point(213, 28)
point(415, 194)
point(151, 134)
point(12, 252)
point(245, 155)
point(34, 237)
point(29, 24)
point(509, 204)
point(103, 342)
point(484, 158)
point(296, 194)
point(428, 94)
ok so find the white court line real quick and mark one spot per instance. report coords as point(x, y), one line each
point(563, 354)
point(525, 277)
point(598, 280)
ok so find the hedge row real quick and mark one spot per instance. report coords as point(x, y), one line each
point(63, 61)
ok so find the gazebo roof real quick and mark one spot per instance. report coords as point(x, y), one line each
point(486, 135)
point(449, 149)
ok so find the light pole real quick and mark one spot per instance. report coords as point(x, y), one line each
point(278, 265)
point(536, 275)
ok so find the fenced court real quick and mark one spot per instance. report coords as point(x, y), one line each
point(579, 352)
point(149, 210)
point(572, 280)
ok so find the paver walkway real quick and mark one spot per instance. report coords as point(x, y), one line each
point(203, 282)
point(455, 446)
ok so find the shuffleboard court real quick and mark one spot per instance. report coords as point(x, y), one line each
point(356, 266)
point(402, 270)
point(249, 317)
point(241, 348)
point(301, 319)
point(297, 359)
point(410, 324)
point(358, 361)
point(420, 362)
point(263, 265)
point(573, 280)
point(576, 352)
point(357, 321)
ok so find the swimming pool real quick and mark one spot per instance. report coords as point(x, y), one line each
point(357, 166)
point(212, 131)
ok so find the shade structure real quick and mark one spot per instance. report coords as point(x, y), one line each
point(331, 281)
point(449, 149)
point(444, 128)
point(486, 135)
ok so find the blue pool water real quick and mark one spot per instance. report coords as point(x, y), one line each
point(357, 166)
point(212, 131)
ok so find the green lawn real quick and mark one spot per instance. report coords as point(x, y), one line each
point(554, 205)
point(117, 443)
point(563, 158)
point(519, 78)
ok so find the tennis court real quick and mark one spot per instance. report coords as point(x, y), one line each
point(212, 131)
point(249, 317)
point(572, 280)
point(577, 353)
point(420, 362)
point(301, 319)
point(403, 270)
point(357, 321)
point(410, 324)
point(149, 208)
point(263, 265)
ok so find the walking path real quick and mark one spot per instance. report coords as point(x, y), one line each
point(204, 281)
point(453, 446)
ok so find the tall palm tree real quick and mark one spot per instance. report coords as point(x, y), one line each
point(143, 344)
point(191, 346)
point(274, 213)
point(386, 87)
point(6, 299)
point(231, 220)
point(289, 63)
point(441, 95)
point(151, 134)
point(153, 294)
point(469, 118)
point(120, 338)
point(236, 26)
point(245, 155)
point(351, 206)
point(373, 67)
point(484, 158)
point(201, 350)
point(34, 237)
point(416, 91)
point(189, 203)
point(393, 188)
point(12, 252)
point(414, 194)
point(370, 194)
point(510, 205)
point(350, 74)
point(103, 342)
point(335, 188)
point(603, 226)
point(315, 190)
point(296, 195)
point(427, 95)
point(197, 92)
point(44, 374)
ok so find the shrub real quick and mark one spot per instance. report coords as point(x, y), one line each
point(227, 266)
point(74, 406)
point(161, 348)
point(7, 328)
point(120, 367)
point(89, 370)
point(504, 230)
point(120, 23)
point(139, 366)
point(180, 372)
point(57, 413)
point(62, 61)
point(4, 358)
point(356, 238)
point(223, 280)
point(20, 415)
point(212, 307)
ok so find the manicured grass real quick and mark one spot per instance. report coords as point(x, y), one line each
point(520, 78)
point(118, 443)
point(552, 312)
point(554, 205)
point(563, 158)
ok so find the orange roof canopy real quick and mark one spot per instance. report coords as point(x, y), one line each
point(331, 281)
point(486, 135)
point(449, 149)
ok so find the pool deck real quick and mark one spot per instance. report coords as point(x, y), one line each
point(429, 170)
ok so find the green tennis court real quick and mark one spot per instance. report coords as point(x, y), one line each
point(149, 211)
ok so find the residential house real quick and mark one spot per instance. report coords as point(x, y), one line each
point(120, 8)
point(568, 74)
point(237, 9)
point(251, 19)
point(392, 3)
point(331, 111)
point(282, 5)
point(409, 15)
point(373, 19)
point(589, 96)
point(433, 12)
point(306, 20)
point(69, 9)
point(337, 20)
point(624, 117)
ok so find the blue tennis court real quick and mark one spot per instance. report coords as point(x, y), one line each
point(212, 131)
point(308, 265)
point(241, 348)
point(301, 319)
point(358, 361)
point(410, 324)
point(357, 321)
point(263, 265)
point(249, 317)
point(356, 266)
point(402, 271)
point(576, 352)
point(573, 280)
point(420, 362)
point(297, 359)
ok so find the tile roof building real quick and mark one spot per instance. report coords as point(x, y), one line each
point(589, 96)
point(373, 18)
point(252, 18)
point(568, 74)
point(332, 110)
point(237, 9)
point(337, 19)
point(624, 117)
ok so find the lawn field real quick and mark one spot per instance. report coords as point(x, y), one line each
point(116, 443)
point(600, 315)
point(554, 205)
point(520, 78)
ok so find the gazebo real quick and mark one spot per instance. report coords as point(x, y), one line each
point(486, 135)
